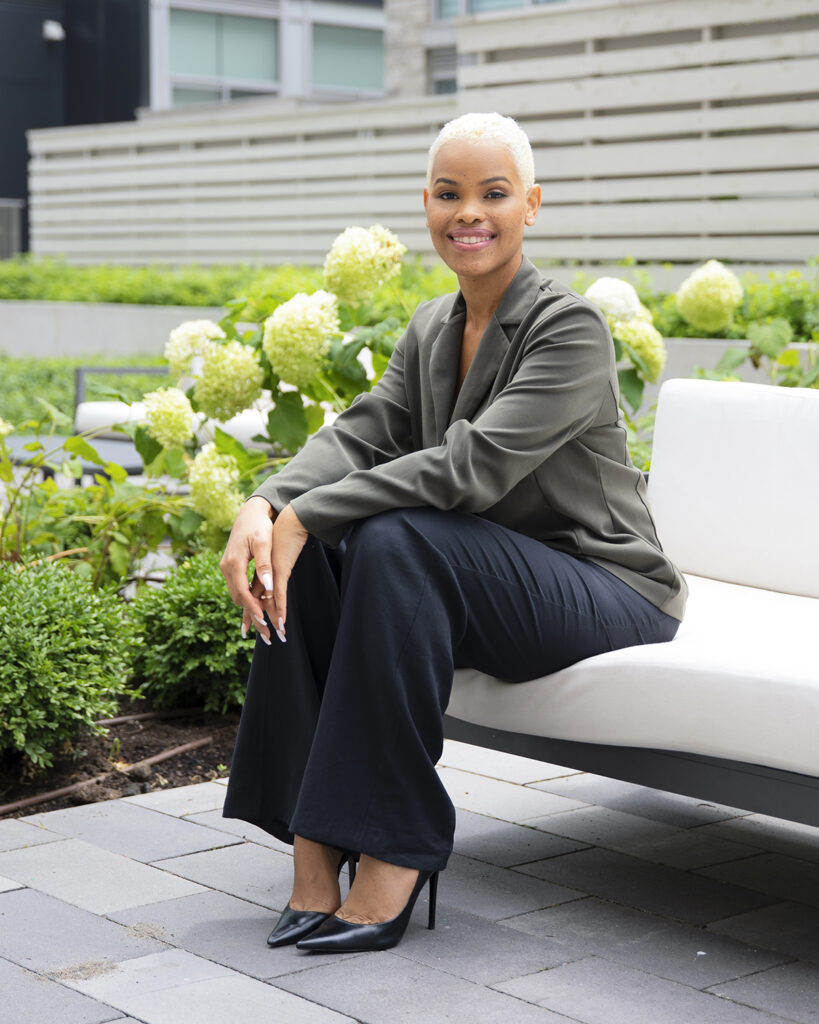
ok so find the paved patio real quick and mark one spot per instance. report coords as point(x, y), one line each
point(569, 898)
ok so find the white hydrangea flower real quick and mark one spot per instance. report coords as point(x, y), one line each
point(617, 298)
point(708, 297)
point(214, 481)
point(646, 340)
point(360, 260)
point(188, 340)
point(230, 380)
point(169, 417)
point(297, 333)
point(5, 427)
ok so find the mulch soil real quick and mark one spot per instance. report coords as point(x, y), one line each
point(112, 755)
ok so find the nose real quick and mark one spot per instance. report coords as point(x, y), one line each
point(469, 211)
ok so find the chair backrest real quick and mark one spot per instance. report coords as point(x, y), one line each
point(734, 482)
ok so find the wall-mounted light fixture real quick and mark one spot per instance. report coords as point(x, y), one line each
point(53, 32)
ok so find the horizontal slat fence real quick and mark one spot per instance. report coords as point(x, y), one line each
point(664, 130)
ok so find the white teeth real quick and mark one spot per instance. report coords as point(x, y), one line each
point(471, 239)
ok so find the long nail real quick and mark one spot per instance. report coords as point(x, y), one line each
point(260, 620)
point(280, 630)
point(266, 640)
point(244, 631)
point(267, 581)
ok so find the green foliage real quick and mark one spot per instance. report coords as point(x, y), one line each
point(66, 653)
point(25, 380)
point(191, 651)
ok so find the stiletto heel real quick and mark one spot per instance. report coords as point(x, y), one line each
point(296, 924)
point(335, 935)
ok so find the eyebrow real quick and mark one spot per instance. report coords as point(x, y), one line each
point(486, 181)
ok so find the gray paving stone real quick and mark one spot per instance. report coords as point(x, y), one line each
point(773, 834)
point(651, 887)
point(384, 988)
point(134, 831)
point(31, 999)
point(671, 808)
point(503, 800)
point(597, 991)
point(690, 848)
point(791, 928)
point(478, 950)
point(204, 796)
point(603, 826)
point(94, 879)
point(494, 893)
point(791, 991)
point(240, 829)
point(44, 934)
point(221, 928)
point(653, 944)
point(498, 765)
point(8, 884)
point(176, 986)
point(772, 873)
point(504, 844)
point(250, 872)
point(15, 834)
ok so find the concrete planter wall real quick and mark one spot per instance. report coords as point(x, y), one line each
point(90, 328)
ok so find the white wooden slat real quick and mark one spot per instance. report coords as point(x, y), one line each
point(551, 25)
point(598, 219)
point(266, 120)
point(765, 249)
point(744, 81)
point(635, 61)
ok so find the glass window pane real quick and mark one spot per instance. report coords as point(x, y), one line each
point(193, 43)
point(492, 5)
point(183, 96)
point(250, 48)
point(351, 57)
point(444, 85)
point(447, 9)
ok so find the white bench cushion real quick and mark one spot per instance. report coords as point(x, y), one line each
point(739, 681)
point(734, 482)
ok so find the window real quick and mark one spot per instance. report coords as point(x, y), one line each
point(220, 56)
point(350, 58)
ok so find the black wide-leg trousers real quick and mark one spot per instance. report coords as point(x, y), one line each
point(342, 725)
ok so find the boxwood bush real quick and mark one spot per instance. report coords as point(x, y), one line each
point(191, 652)
point(66, 653)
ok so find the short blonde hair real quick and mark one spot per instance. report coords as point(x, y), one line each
point(490, 127)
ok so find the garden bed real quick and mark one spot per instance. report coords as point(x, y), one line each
point(125, 744)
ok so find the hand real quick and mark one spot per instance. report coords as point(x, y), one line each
point(251, 539)
point(289, 537)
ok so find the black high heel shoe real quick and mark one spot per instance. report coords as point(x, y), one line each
point(296, 924)
point(338, 936)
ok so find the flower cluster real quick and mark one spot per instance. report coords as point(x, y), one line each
point(646, 341)
point(5, 427)
point(230, 380)
point(297, 333)
point(360, 260)
point(168, 417)
point(708, 297)
point(188, 340)
point(214, 480)
point(617, 298)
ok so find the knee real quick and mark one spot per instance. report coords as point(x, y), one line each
point(395, 533)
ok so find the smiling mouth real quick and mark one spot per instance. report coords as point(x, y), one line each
point(467, 242)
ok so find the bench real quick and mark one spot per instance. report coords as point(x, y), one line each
point(728, 711)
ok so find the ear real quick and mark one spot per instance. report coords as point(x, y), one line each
point(426, 204)
point(532, 205)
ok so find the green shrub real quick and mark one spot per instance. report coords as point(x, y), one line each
point(191, 651)
point(66, 653)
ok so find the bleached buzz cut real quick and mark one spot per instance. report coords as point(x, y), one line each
point(492, 127)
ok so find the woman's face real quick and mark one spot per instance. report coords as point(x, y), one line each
point(477, 209)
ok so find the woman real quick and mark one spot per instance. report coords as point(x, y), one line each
point(477, 508)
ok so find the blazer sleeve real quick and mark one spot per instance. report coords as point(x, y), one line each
point(374, 429)
point(562, 380)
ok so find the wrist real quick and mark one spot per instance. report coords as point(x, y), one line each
point(259, 502)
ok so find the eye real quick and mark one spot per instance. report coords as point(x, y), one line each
point(449, 194)
point(496, 193)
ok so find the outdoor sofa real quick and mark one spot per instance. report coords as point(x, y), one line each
point(728, 711)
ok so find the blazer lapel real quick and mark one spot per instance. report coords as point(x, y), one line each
point(482, 372)
point(444, 363)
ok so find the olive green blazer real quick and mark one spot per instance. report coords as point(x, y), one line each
point(535, 439)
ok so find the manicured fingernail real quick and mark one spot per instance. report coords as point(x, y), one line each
point(267, 581)
point(260, 620)
point(244, 631)
point(281, 636)
point(266, 640)
point(280, 623)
